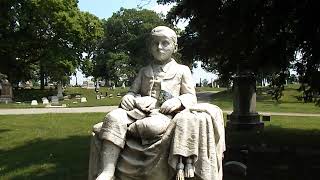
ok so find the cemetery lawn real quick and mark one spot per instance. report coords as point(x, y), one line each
point(49, 146)
point(288, 131)
point(203, 89)
point(56, 146)
point(24, 96)
point(288, 102)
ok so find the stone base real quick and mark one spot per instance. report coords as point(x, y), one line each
point(244, 122)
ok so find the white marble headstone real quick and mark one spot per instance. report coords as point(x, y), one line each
point(83, 99)
point(34, 103)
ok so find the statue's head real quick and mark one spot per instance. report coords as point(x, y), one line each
point(163, 43)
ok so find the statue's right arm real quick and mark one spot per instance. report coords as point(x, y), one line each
point(128, 101)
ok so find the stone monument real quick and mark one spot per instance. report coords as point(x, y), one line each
point(6, 94)
point(159, 131)
point(60, 91)
point(28, 85)
point(83, 99)
point(55, 101)
point(45, 100)
point(244, 115)
point(34, 103)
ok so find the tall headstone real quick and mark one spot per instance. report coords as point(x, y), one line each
point(244, 115)
point(60, 90)
point(6, 91)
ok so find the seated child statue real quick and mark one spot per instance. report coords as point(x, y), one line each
point(158, 93)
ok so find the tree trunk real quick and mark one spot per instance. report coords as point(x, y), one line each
point(41, 78)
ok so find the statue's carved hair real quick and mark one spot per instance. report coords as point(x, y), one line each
point(164, 31)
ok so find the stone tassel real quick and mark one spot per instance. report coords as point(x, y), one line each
point(180, 167)
point(189, 169)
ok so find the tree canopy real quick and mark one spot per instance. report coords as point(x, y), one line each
point(123, 49)
point(45, 38)
point(263, 36)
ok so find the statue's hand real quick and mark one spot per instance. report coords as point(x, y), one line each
point(170, 105)
point(127, 102)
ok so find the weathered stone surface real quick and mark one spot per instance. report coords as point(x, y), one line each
point(139, 140)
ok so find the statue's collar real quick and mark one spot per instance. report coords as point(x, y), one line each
point(168, 68)
point(164, 67)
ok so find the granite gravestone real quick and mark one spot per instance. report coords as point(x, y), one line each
point(60, 91)
point(6, 91)
point(45, 101)
point(244, 115)
point(55, 101)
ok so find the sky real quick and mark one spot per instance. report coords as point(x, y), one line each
point(105, 8)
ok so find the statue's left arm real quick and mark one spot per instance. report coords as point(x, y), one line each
point(187, 96)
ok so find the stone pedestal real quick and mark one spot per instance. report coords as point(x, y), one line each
point(244, 115)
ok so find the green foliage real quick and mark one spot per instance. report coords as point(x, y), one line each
point(45, 38)
point(277, 86)
point(123, 50)
point(262, 36)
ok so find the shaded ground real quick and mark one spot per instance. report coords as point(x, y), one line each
point(206, 96)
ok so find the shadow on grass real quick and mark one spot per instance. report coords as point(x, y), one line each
point(223, 95)
point(4, 130)
point(47, 159)
point(276, 153)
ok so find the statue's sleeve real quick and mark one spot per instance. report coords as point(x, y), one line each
point(136, 85)
point(187, 91)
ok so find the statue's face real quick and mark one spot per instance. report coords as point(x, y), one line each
point(162, 48)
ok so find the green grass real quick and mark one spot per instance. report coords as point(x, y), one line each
point(50, 146)
point(287, 103)
point(282, 131)
point(202, 89)
point(91, 96)
point(223, 99)
point(25, 96)
point(56, 146)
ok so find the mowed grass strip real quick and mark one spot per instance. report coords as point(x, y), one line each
point(288, 102)
point(282, 131)
point(48, 146)
point(24, 97)
point(56, 146)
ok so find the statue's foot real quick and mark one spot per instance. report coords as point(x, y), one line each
point(105, 175)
